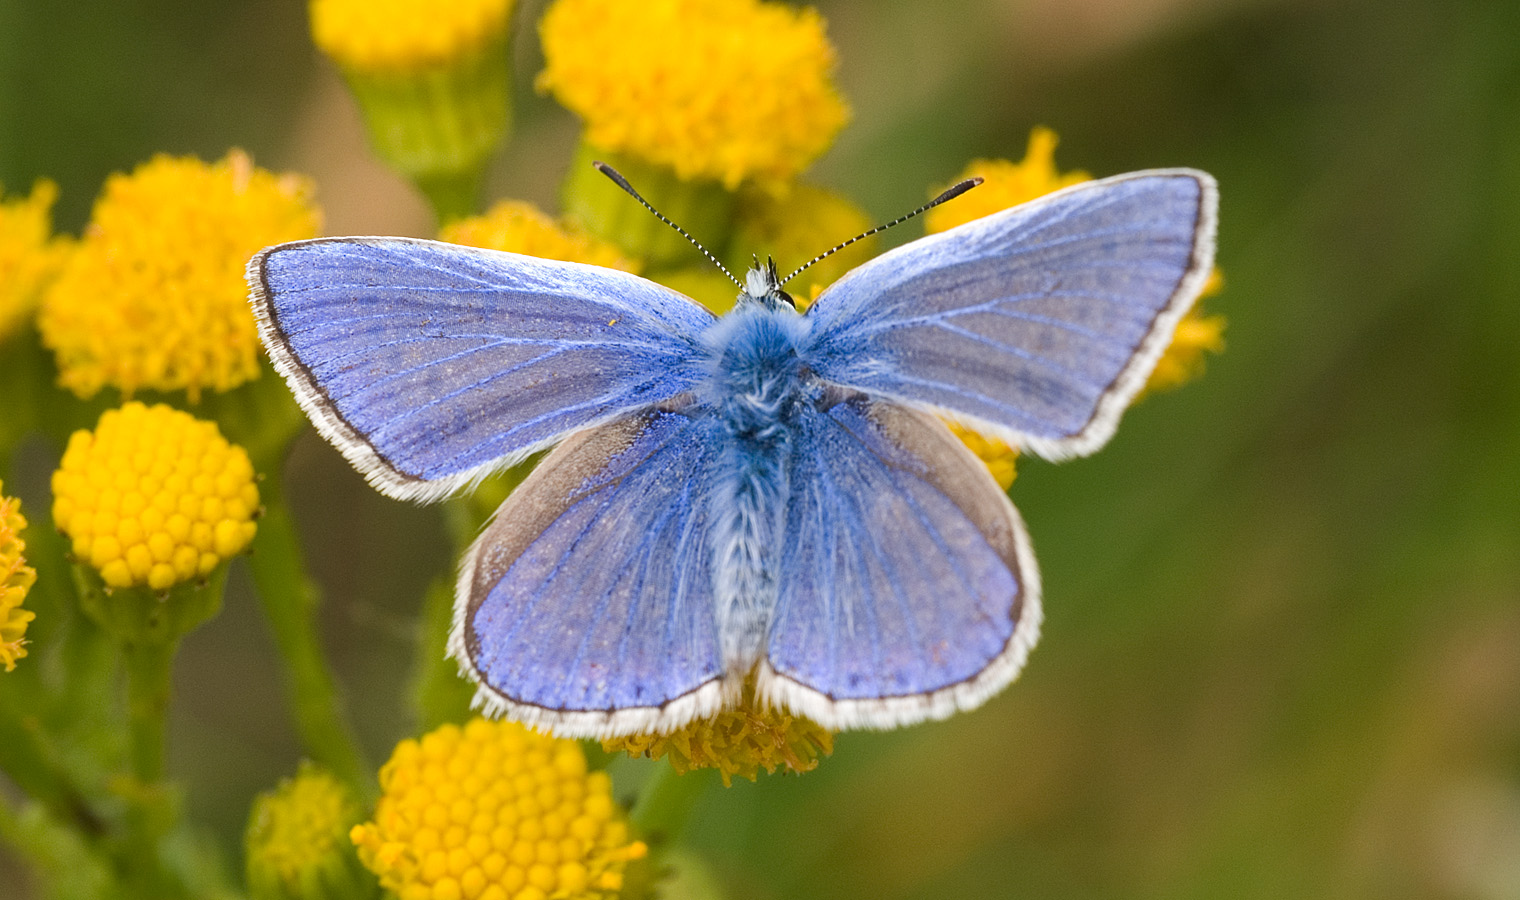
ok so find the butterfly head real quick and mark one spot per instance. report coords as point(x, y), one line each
point(762, 285)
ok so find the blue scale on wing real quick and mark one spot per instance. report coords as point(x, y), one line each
point(1024, 319)
point(444, 358)
point(592, 589)
point(901, 573)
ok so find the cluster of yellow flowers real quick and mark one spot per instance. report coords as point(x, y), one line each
point(496, 812)
point(154, 496)
point(735, 742)
point(297, 845)
point(16, 579)
point(153, 297)
point(521, 227)
point(29, 254)
point(724, 90)
point(401, 35)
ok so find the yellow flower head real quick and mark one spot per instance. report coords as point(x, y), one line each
point(495, 812)
point(796, 223)
point(154, 496)
point(406, 34)
point(702, 283)
point(735, 742)
point(714, 89)
point(998, 456)
point(1006, 184)
point(16, 578)
point(297, 839)
point(153, 297)
point(521, 227)
point(29, 255)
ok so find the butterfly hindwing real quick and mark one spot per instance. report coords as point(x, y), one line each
point(908, 588)
point(430, 364)
point(1039, 323)
point(587, 606)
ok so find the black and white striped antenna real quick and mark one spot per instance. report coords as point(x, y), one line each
point(620, 181)
point(950, 193)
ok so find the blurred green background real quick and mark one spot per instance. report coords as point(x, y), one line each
point(1282, 651)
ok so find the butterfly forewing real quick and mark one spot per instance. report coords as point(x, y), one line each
point(429, 364)
point(1039, 323)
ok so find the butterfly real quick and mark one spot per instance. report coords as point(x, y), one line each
point(761, 507)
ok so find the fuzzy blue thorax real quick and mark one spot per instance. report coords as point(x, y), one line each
point(756, 388)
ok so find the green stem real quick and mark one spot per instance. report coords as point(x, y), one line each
point(440, 693)
point(56, 849)
point(290, 600)
point(453, 195)
point(666, 802)
point(440, 126)
point(148, 665)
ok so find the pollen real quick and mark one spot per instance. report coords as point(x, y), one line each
point(521, 227)
point(738, 742)
point(724, 90)
point(153, 297)
point(16, 579)
point(154, 497)
point(494, 811)
point(395, 35)
point(29, 255)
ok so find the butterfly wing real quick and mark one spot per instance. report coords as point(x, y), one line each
point(1038, 324)
point(430, 365)
point(586, 606)
point(908, 589)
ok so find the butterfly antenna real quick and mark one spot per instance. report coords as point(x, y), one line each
point(950, 193)
point(620, 181)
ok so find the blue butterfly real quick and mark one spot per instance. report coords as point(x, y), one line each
point(764, 502)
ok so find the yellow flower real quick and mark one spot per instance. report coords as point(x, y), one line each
point(29, 256)
point(795, 223)
point(1196, 334)
point(297, 846)
point(998, 456)
point(153, 297)
point(521, 227)
point(724, 90)
point(735, 742)
point(16, 578)
point(433, 83)
point(495, 812)
point(703, 283)
point(1007, 184)
point(406, 34)
point(154, 496)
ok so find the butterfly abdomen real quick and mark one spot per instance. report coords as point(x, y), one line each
point(756, 386)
